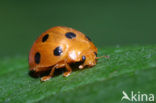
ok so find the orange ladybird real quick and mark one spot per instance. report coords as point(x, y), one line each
point(58, 47)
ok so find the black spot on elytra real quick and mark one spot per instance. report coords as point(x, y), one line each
point(70, 35)
point(45, 38)
point(88, 38)
point(83, 58)
point(95, 54)
point(58, 51)
point(37, 58)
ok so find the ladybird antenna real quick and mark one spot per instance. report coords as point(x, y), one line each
point(102, 57)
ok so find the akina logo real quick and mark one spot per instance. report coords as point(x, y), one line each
point(137, 97)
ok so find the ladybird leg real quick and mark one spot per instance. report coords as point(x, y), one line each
point(81, 66)
point(45, 78)
point(69, 70)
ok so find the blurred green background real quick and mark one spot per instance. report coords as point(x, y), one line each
point(107, 22)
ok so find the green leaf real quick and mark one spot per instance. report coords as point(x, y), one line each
point(128, 69)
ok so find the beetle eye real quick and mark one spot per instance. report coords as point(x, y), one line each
point(83, 58)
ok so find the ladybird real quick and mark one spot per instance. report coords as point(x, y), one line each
point(58, 47)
